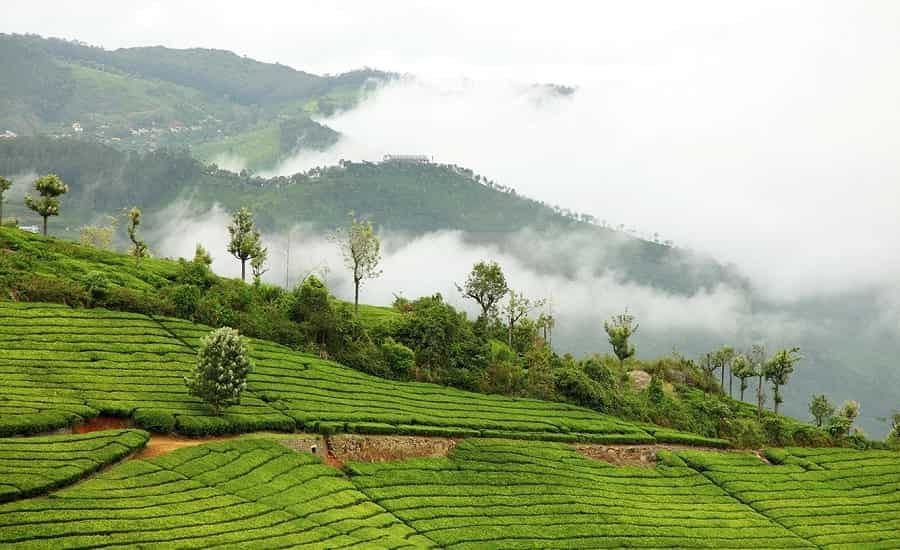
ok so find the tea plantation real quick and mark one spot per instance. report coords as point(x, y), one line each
point(489, 493)
point(37, 464)
point(61, 365)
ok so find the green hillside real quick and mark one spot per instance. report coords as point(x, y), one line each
point(145, 98)
point(412, 199)
point(131, 365)
point(35, 465)
point(256, 493)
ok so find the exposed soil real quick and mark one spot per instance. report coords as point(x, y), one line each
point(644, 455)
point(161, 444)
point(377, 448)
point(99, 423)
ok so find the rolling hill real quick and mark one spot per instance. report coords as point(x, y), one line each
point(146, 98)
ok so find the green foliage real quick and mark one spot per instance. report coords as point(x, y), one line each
point(5, 185)
point(244, 239)
point(36, 465)
point(820, 408)
point(49, 187)
point(361, 249)
point(778, 371)
point(618, 330)
point(155, 420)
point(138, 247)
point(97, 284)
point(185, 299)
point(400, 359)
point(223, 364)
point(485, 284)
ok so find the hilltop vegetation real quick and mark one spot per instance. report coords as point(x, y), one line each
point(146, 98)
point(420, 340)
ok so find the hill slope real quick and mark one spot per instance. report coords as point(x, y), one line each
point(144, 98)
point(130, 365)
point(409, 199)
point(255, 493)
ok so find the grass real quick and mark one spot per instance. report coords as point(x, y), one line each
point(61, 365)
point(35, 465)
point(258, 148)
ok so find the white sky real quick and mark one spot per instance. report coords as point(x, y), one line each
point(765, 133)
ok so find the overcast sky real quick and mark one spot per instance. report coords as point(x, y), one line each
point(766, 133)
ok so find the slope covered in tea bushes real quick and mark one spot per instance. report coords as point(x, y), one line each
point(61, 365)
point(32, 465)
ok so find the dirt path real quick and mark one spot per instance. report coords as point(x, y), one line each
point(162, 444)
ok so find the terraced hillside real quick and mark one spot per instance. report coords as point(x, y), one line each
point(835, 498)
point(247, 494)
point(61, 365)
point(38, 464)
point(489, 493)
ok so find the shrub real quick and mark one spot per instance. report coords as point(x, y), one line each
point(223, 363)
point(155, 420)
point(97, 284)
point(126, 299)
point(398, 358)
point(185, 299)
point(46, 289)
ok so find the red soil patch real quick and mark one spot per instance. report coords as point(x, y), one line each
point(644, 455)
point(100, 423)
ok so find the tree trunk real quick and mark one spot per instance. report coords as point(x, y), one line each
point(1, 211)
point(742, 389)
point(244, 270)
point(45, 226)
point(722, 383)
point(509, 334)
point(777, 398)
point(356, 298)
point(759, 397)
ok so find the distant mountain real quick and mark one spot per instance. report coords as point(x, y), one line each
point(408, 197)
point(215, 101)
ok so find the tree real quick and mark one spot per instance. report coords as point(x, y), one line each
point(244, 243)
point(202, 256)
point(220, 375)
point(485, 284)
point(99, 236)
point(5, 185)
point(49, 187)
point(138, 247)
point(743, 369)
point(721, 360)
point(546, 323)
point(258, 263)
point(619, 329)
point(758, 361)
point(778, 371)
point(820, 408)
point(362, 253)
point(517, 306)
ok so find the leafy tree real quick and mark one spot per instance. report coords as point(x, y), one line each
point(49, 187)
point(546, 323)
point(486, 285)
point(202, 256)
point(820, 408)
point(619, 329)
point(758, 361)
point(362, 253)
point(138, 247)
point(894, 435)
point(258, 263)
point(517, 306)
point(778, 371)
point(722, 360)
point(313, 310)
point(223, 363)
point(244, 243)
point(5, 185)
point(99, 236)
point(743, 369)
